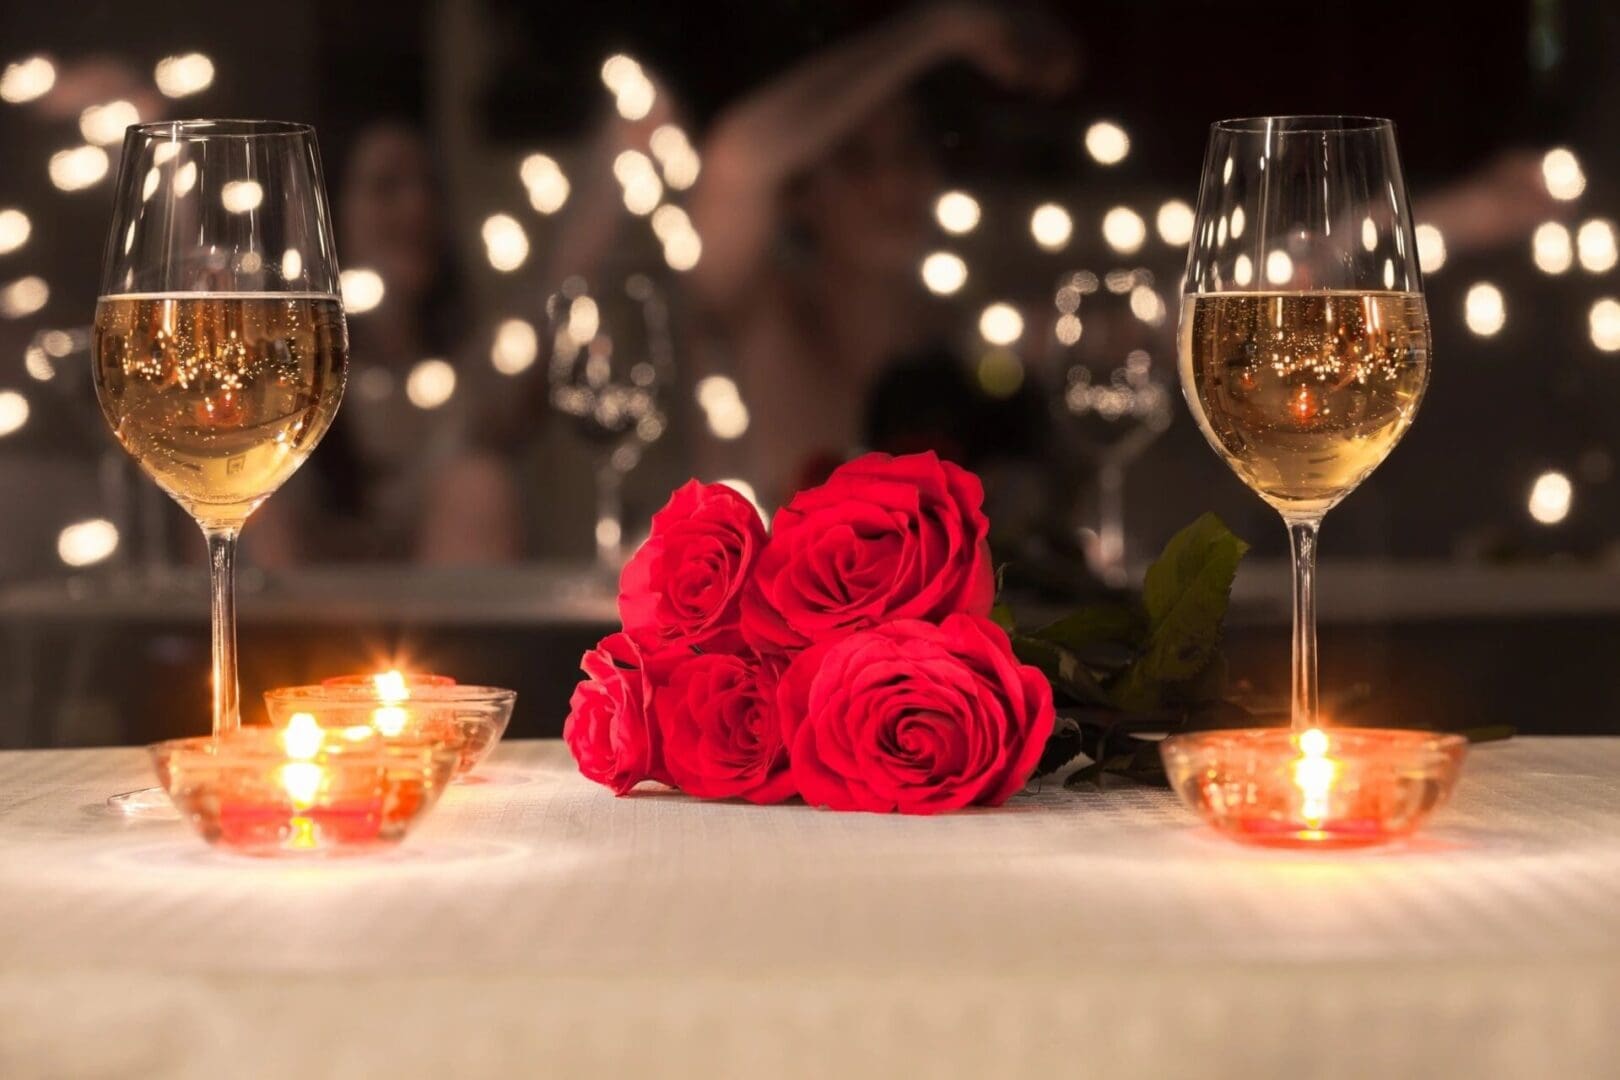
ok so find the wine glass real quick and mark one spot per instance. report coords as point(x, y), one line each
point(610, 364)
point(1115, 351)
point(219, 341)
point(1304, 340)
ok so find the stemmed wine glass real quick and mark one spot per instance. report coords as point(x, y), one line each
point(219, 343)
point(610, 364)
point(1116, 351)
point(1304, 340)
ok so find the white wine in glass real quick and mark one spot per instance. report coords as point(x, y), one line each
point(1304, 341)
point(220, 344)
point(1305, 394)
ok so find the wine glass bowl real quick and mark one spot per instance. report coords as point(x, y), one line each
point(1115, 353)
point(609, 368)
point(1117, 363)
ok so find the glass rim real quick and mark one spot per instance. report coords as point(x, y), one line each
point(264, 744)
point(222, 129)
point(1352, 737)
point(362, 695)
point(1303, 124)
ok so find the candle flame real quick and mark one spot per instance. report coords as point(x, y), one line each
point(1314, 773)
point(391, 686)
point(390, 720)
point(302, 737)
point(301, 780)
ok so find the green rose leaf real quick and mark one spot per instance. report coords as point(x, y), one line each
point(1185, 595)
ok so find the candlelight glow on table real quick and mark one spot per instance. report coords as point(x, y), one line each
point(1332, 787)
point(468, 719)
point(304, 789)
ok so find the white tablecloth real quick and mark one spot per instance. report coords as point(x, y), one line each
point(538, 926)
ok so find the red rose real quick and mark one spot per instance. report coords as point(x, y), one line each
point(719, 731)
point(914, 717)
point(681, 588)
point(884, 538)
point(609, 728)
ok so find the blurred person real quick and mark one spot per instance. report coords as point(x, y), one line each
point(814, 207)
point(395, 480)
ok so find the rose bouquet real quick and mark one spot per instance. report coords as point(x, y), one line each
point(847, 657)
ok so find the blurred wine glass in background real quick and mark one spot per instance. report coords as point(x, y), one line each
point(1117, 364)
point(611, 368)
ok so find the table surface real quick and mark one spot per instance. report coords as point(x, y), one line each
point(535, 924)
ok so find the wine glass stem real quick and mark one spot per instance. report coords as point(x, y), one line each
point(1302, 533)
point(1111, 522)
point(609, 517)
point(222, 592)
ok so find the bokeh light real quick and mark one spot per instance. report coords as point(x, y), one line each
point(1068, 329)
point(179, 76)
point(516, 345)
point(1279, 267)
point(944, 273)
point(1550, 497)
point(1484, 309)
point(1603, 321)
point(362, 290)
point(1051, 226)
point(430, 384)
point(27, 79)
point(1431, 246)
point(723, 407)
point(957, 212)
point(1551, 248)
point(676, 157)
point(85, 543)
point(506, 245)
point(547, 186)
point(14, 230)
point(13, 412)
point(1124, 230)
point(78, 168)
point(1147, 305)
point(24, 297)
point(1561, 171)
point(1175, 222)
point(102, 125)
point(1595, 246)
point(241, 196)
point(1107, 142)
point(1001, 324)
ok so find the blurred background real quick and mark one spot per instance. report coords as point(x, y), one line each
point(590, 250)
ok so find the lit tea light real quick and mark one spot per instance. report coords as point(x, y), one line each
point(303, 788)
point(1333, 787)
point(392, 705)
point(1313, 775)
point(302, 737)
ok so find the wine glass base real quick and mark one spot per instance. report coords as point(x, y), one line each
point(145, 804)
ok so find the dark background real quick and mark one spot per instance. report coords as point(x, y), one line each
point(1466, 85)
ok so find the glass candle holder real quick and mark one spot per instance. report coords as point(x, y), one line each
point(304, 790)
point(1323, 787)
point(471, 719)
